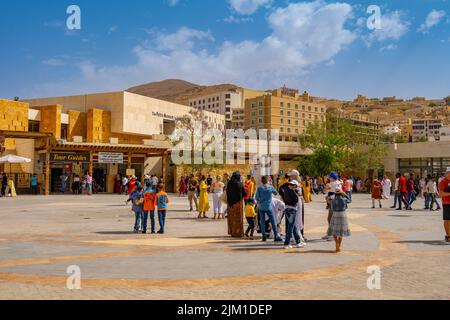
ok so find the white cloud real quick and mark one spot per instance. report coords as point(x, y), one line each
point(433, 18)
point(389, 47)
point(54, 62)
point(113, 29)
point(303, 35)
point(183, 39)
point(172, 3)
point(237, 20)
point(393, 27)
point(248, 7)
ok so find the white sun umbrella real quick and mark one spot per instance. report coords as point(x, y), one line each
point(10, 158)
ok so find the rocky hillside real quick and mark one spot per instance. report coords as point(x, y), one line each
point(177, 91)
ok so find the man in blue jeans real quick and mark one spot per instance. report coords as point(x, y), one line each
point(291, 199)
point(264, 198)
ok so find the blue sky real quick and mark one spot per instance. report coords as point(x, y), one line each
point(324, 47)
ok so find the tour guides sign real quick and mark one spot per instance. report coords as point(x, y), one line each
point(69, 157)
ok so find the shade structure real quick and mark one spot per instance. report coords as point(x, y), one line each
point(10, 158)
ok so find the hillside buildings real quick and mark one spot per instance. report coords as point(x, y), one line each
point(229, 103)
point(423, 129)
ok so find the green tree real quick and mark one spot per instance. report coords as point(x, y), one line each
point(338, 145)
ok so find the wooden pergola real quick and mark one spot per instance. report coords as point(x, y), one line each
point(50, 144)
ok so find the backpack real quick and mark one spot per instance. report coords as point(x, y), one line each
point(339, 203)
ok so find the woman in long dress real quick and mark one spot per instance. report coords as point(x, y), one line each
point(203, 204)
point(235, 200)
point(376, 193)
point(307, 190)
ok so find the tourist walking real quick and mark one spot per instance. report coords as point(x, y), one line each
point(88, 182)
point(291, 199)
point(217, 189)
point(162, 202)
point(235, 195)
point(339, 228)
point(444, 193)
point(137, 206)
point(76, 185)
point(411, 190)
point(347, 187)
point(203, 203)
point(402, 192)
point(64, 177)
point(432, 192)
point(250, 216)
point(182, 187)
point(387, 186)
point(192, 192)
point(376, 193)
point(396, 192)
point(264, 195)
point(306, 185)
point(149, 197)
point(125, 185)
point(34, 184)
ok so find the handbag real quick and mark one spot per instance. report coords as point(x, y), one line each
point(224, 198)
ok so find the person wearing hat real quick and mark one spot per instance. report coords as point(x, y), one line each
point(291, 199)
point(250, 215)
point(338, 227)
point(332, 186)
point(137, 205)
point(444, 193)
point(300, 221)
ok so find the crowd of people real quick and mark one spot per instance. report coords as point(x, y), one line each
point(266, 203)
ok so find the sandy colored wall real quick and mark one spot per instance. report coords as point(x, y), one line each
point(77, 124)
point(98, 126)
point(50, 119)
point(13, 115)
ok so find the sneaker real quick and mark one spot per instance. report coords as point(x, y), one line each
point(381, 207)
point(300, 245)
point(325, 237)
point(287, 247)
point(160, 232)
point(264, 239)
point(279, 239)
point(393, 207)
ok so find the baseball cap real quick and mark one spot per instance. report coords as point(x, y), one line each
point(334, 176)
point(294, 173)
point(294, 182)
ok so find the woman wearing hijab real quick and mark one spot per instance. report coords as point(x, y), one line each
point(235, 200)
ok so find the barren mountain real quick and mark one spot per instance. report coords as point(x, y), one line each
point(177, 91)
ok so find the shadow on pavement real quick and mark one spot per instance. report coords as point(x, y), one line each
point(428, 242)
point(115, 232)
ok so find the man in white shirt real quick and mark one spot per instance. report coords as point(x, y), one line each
point(395, 193)
point(124, 184)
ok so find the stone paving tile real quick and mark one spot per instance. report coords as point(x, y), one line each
point(88, 231)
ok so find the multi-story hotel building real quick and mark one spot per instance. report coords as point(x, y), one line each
point(283, 109)
point(227, 103)
point(111, 133)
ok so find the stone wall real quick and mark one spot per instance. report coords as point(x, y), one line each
point(13, 115)
point(77, 124)
point(50, 119)
point(98, 126)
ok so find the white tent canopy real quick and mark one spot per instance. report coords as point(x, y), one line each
point(10, 158)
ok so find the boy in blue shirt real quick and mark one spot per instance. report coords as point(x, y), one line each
point(162, 201)
point(137, 200)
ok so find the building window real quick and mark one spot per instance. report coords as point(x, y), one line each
point(33, 126)
point(303, 115)
point(282, 121)
point(296, 122)
point(260, 103)
point(228, 103)
point(309, 108)
point(260, 120)
point(289, 105)
point(228, 96)
point(296, 114)
point(289, 113)
point(296, 107)
point(281, 104)
point(260, 112)
point(316, 109)
point(281, 112)
point(289, 121)
point(64, 131)
point(303, 108)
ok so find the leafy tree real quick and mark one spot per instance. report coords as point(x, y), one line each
point(338, 145)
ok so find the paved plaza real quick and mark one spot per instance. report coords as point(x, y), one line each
point(40, 237)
